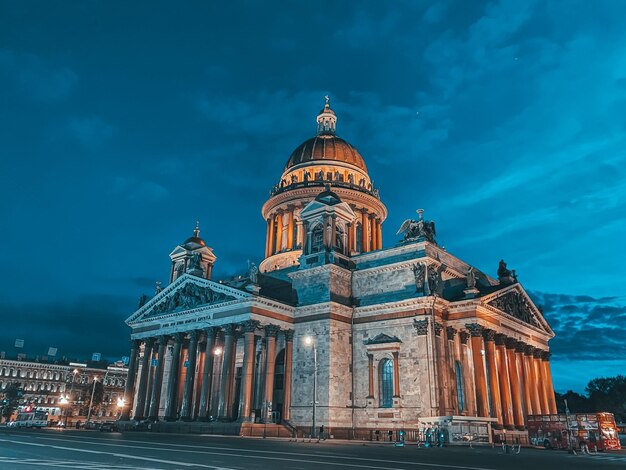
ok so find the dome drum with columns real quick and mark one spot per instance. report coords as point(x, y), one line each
point(407, 337)
point(322, 160)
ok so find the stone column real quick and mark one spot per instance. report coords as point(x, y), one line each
point(271, 331)
point(524, 377)
point(515, 383)
point(158, 380)
point(353, 227)
point(532, 383)
point(226, 378)
point(249, 327)
point(494, 387)
point(129, 390)
point(186, 408)
point(396, 374)
point(207, 374)
point(370, 366)
point(504, 382)
point(374, 233)
point(270, 250)
point(365, 232)
point(290, 230)
point(480, 376)
point(543, 396)
point(143, 380)
point(267, 239)
point(468, 378)
point(379, 238)
point(548, 382)
point(287, 377)
point(279, 232)
point(171, 408)
point(299, 234)
point(441, 371)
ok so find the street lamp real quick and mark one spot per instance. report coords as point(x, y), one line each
point(63, 402)
point(308, 340)
point(120, 406)
point(218, 351)
point(93, 391)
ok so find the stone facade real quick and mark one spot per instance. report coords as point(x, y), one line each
point(398, 336)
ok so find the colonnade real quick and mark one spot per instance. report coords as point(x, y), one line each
point(278, 239)
point(188, 395)
point(512, 379)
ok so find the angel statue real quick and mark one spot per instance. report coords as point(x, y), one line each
point(415, 229)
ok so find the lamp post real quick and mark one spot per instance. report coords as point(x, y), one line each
point(120, 406)
point(63, 402)
point(308, 340)
point(93, 391)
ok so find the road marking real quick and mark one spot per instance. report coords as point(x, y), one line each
point(75, 464)
point(127, 456)
point(236, 453)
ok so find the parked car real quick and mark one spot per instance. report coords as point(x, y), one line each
point(108, 426)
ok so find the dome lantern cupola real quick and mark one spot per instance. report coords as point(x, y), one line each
point(192, 256)
point(326, 120)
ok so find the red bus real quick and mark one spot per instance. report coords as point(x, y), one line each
point(597, 430)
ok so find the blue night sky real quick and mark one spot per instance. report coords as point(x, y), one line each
point(121, 123)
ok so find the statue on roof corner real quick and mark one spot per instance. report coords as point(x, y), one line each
point(415, 230)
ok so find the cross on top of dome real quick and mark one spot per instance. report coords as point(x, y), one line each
point(326, 120)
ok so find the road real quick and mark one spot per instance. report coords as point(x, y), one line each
point(37, 449)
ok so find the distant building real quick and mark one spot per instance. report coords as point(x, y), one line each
point(406, 337)
point(47, 385)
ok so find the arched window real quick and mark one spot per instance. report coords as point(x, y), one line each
point(460, 392)
point(386, 383)
point(339, 237)
point(317, 239)
point(359, 237)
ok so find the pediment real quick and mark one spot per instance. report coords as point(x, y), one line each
point(186, 293)
point(383, 338)
point(515, 302)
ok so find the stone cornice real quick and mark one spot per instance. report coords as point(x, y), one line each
point(331, 268)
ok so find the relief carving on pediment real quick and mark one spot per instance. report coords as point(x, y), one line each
point(190, 296)
point(516, 305)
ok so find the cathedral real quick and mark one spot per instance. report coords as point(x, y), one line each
point(332, 329)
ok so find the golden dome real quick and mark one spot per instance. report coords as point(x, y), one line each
point(326, 147)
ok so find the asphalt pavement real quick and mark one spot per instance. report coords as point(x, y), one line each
point(51, 448)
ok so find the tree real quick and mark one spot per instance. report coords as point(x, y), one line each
point(609, 394)
point(98, 395)
point(10, 398)
point(576, 402)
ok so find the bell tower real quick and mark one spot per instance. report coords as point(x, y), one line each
point(193, 257)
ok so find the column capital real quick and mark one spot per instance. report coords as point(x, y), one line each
point(500, 339)
point(370, 356)
point(249, 326)
point(475, 329)
point(438, 327)
point(511, 343)
point(395, 355)
point(421, 327)
point(520, 346)
point(489, 335)
point(528, 349)
point(288, 335)
point(545, 355)
point(164, 339)
point(464, 335)
point(135, 343)
point(210, 331)
point(537, 353)
point(271, 330)
point(451, 332)
point(148, 342)
point(178, 337)
point(229, 329)
point(193, 335)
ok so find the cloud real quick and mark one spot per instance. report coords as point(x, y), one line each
point(34, 77)
point(137, 190)
point(90, 323)
point(90, 131)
